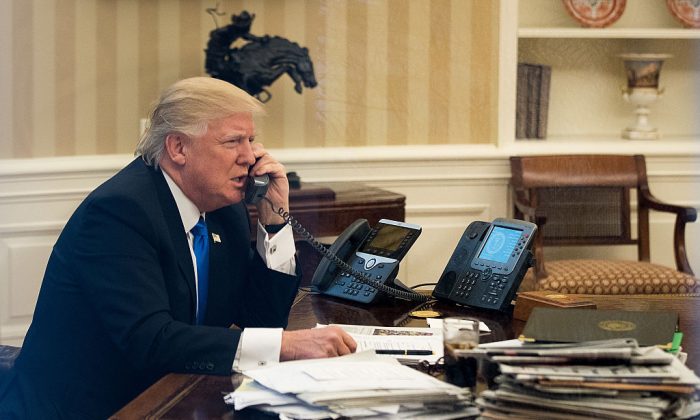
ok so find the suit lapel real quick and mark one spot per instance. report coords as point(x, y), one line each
point(228, 263)
point(178, 237)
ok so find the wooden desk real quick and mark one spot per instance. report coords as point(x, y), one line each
point(200, 396)
point(326, 209)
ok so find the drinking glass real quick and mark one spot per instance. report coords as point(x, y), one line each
point(460, 335)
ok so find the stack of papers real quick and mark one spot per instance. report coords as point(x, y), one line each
point(357, 385)
point(597, 379)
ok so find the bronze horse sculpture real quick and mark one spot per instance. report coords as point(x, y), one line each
point(259, 62)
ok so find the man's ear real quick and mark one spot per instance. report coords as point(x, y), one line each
point(175, 148)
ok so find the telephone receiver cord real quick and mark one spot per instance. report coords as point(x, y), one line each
point(342, 265)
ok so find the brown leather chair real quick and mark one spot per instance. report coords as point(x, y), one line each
point(588, 200)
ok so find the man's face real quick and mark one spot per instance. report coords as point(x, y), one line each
point(216, 166)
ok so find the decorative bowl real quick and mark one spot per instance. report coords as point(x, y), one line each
point(595, 13)
point(685, 11)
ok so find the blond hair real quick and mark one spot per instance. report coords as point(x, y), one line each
point(187, 107)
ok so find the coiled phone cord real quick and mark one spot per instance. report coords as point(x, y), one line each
point(342, 265)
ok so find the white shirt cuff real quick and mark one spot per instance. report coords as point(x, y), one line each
point(258, 347)
point(277, 251)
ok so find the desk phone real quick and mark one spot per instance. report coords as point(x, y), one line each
point(488, 265)
point(368, 261)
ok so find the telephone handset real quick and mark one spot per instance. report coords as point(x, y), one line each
point(367, 261)
point(256, 188)
point(488, 265)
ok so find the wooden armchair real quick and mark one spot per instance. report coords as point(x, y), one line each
point(587, 200)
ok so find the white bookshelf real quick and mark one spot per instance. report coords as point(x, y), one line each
point(586, 108)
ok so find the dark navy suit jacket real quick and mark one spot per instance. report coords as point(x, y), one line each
point(117, 304)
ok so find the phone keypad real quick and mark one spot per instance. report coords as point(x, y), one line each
point(353, 286)
point(466, 284)
point(345, 285)
point(469, 281)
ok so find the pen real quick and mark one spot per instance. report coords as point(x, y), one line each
point(406, 352)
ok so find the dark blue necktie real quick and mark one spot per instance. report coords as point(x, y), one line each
point(200, 245)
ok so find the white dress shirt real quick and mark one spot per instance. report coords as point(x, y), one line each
point(257, 346)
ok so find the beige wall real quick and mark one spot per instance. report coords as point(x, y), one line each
point(77, 75)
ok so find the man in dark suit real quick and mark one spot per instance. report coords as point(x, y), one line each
point(123, 299)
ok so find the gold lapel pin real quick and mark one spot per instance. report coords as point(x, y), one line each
point(216, 238)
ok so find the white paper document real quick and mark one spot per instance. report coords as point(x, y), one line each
point(397, 339)
point(341, 374)
point(673, 373)
point(437, 323)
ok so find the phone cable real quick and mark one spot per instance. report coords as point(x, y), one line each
point(342, 265)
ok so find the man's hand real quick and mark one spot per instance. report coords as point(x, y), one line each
point(316, 343)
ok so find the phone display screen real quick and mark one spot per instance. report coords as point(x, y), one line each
point(388, 240)
point(500, 244)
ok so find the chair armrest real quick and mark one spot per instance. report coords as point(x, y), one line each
point(687, 214)
point(683, 216)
